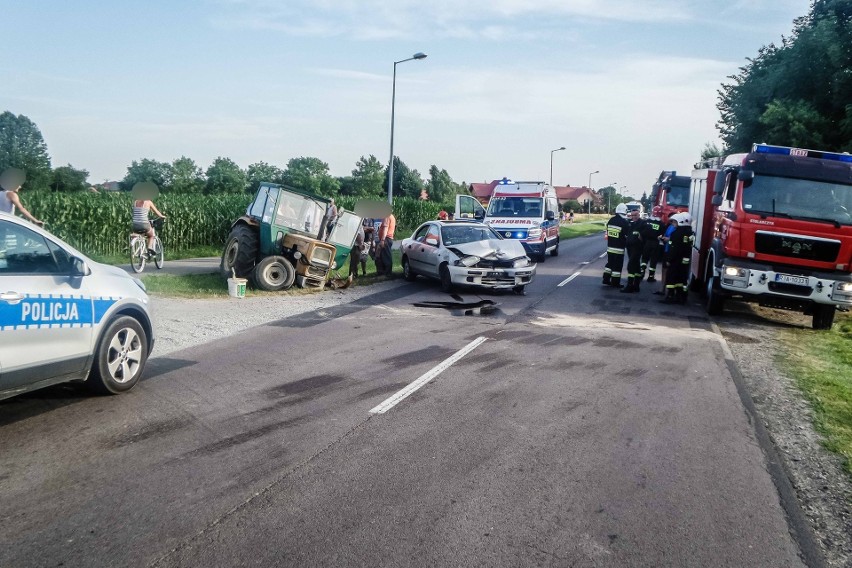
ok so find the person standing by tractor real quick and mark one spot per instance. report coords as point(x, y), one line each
point(385, 245)
point(328, 220)
point(634, 246)
point(358, 254)
point(616, 233)
point(651, 231)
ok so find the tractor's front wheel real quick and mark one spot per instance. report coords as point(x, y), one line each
point(274, 273)
point(240, 254)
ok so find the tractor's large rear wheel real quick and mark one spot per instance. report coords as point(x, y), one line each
point(240, 254)
point(274, 273)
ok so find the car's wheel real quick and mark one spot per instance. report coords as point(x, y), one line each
point(823, 316)
point(543, 256)
point(120, 357)
point(274, 273)
point(407, 273)
point(555, 251)
point(159, 256)
point(138, 254)
point(446, 280)
point(714, 302)
point(240, 254)
point(519, 290)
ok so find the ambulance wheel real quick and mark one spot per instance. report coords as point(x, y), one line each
point(120, 357)
point(823, 316)
point(555, 251)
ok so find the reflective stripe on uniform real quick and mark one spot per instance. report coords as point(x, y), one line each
point(611, 250)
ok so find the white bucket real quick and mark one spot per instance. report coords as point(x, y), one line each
point(237, 287)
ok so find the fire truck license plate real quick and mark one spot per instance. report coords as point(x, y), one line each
point(790, 279)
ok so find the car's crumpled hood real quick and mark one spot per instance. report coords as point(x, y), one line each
point(498, 249)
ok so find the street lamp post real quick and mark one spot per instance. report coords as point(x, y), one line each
point(418, 55)
point(551, 162)
point(590, 188)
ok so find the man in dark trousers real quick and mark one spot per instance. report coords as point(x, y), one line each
point(616, 229)
point(634, 245)
point(651, 249)
point(678, 258)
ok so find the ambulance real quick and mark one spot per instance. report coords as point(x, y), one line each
point(527, 211)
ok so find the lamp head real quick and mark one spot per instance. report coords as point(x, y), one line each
point(419, 55)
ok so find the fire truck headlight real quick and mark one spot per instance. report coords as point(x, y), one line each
point(734, 276)
point(735, 272)
point(842, 292)
point(844, 287)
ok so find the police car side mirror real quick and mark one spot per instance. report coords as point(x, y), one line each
point(479, 215)
point(550, 216)
point(79, 267)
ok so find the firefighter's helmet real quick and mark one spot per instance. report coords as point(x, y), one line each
point(684, 220)
point(621, 209)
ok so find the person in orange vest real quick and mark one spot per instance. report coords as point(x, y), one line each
point(385, 245)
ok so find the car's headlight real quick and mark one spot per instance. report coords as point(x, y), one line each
point(534, 233)
point(521, 262)
point(469, 261)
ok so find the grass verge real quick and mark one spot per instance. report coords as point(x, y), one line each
point(581, 229)
point(820, 362)
point(214, 286)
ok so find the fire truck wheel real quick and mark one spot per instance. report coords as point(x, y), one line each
point(714, 303)
point(823, 316)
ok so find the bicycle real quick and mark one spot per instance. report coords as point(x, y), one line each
point(139, 247)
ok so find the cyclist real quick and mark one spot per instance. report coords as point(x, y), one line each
point(141, 224)
point(10, 184)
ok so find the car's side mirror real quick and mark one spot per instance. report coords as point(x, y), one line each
point(432, 241)
point(79, 267)
point(479, 214)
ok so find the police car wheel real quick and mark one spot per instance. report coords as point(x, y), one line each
point(120, 357)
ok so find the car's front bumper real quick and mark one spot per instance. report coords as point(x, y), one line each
point(494, 278)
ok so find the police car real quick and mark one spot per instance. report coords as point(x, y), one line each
point(64, 317)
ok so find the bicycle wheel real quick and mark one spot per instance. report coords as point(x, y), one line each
point(138, 253)
point(159, 255)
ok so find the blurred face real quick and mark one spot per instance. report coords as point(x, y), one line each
point(633, 215)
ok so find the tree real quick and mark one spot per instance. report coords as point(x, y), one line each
point(186, 177)
point(406, 182)
point(311, 175)
point(224, 176)
point(645, 201)
point(22, 146)
point(147, 170)
point(797, 93)
point(68, 179)
point(441, 187)
point(262, 172)
point(711, 150)
point(572, 205)
point(368, 178)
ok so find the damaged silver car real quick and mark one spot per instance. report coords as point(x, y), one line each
point(464, 253)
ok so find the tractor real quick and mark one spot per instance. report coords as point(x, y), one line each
point(275, 243)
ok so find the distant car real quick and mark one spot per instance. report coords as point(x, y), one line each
point(464, 253)
point(64, 317)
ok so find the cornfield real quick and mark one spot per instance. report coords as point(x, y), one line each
point(99, 223)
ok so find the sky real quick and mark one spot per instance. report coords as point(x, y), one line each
point(628, 87)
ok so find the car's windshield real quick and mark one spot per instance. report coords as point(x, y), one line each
point(515, 207)
point(800, 198)
point(677, 196)
point(461, 234)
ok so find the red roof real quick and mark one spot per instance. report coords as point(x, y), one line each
point(566, 192)
point(482, 190)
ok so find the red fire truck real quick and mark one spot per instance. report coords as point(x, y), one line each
point(671, 193)
point(774, 226)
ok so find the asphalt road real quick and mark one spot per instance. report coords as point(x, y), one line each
point(587, 428)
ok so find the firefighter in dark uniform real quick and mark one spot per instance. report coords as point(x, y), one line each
point(678, 259)
point(616, 239)
point(634, 245)
point(652, 247)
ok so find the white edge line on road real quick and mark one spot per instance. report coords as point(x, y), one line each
point(569, 279)
point(603, 255)
point(426, 377)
